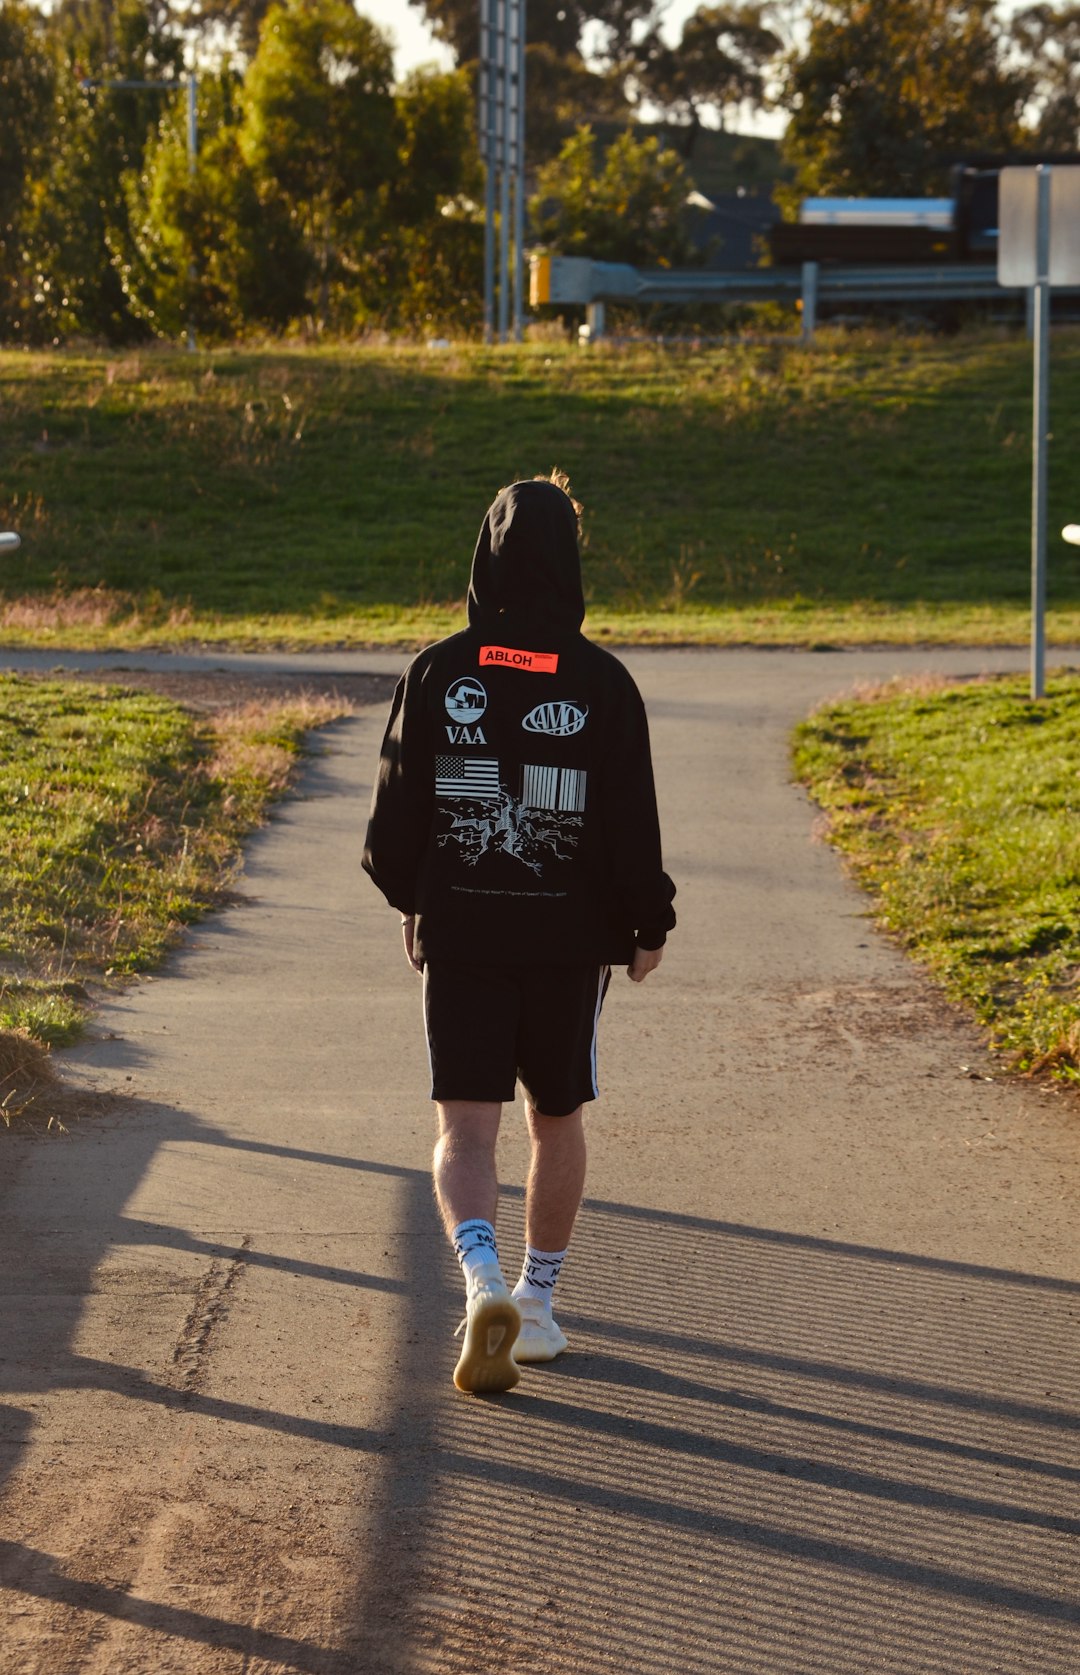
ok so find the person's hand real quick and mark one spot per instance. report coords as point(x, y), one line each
point(408, 933)
point(644, 961)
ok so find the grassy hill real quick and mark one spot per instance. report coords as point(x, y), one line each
point(870, 488)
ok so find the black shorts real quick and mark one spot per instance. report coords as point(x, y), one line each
point(488, 1025)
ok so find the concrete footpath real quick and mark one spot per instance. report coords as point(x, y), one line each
point(821, 1411)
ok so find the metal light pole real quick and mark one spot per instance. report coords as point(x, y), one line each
point(519, 176)
point(488, 152)
point(1040, 419)
point(502, 146)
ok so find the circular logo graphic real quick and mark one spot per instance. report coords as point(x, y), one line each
point(466, 701)
point(557, 720)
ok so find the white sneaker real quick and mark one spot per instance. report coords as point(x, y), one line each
point(492, 1323)
point(541, 1338)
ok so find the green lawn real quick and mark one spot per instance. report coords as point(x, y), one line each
point(121, 816)
point(958, 806)
point(872, 488)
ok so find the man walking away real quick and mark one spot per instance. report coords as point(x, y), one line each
point(514, 827)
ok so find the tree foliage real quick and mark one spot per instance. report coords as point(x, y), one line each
point(262, 233)
point(26, 96)
point(719, 64)
point(426, 269)
point(1049, 39)
point(318, 110)
point(563, 89)
point(240, 21)
point(213, 250)
point(78, 249)
point(325, 195)
point(626, 207)
point(888, 93)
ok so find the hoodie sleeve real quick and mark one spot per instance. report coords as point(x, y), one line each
point(632, 827)
point(402, 801)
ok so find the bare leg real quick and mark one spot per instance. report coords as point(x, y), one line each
point(466, 1186)
point(467, 1189)
point(556, 1178)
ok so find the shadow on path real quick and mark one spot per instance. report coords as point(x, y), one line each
point(765, 1451)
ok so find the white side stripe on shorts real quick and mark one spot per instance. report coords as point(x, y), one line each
point(605, 973)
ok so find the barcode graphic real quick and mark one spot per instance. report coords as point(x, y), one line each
point(466, 776)
point(560, 788)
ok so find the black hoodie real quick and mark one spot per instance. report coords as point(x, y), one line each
point(514, 811)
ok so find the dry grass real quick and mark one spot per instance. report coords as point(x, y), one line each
point(122, 816)
point(250, 739)
point(87, 608)
point(26, 1072)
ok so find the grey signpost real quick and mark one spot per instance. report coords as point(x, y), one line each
point(502, 144)
point(1039, 246)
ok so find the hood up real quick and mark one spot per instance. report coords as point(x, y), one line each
point(526, 568)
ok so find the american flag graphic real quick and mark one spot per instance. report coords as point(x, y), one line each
point(558, 788)
point(466, 776)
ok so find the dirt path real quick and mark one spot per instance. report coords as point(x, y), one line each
point(821, 1409)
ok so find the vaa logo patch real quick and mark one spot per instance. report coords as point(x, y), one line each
point(558, 721)
point(466, 702)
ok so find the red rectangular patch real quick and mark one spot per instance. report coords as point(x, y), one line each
point(532, 662)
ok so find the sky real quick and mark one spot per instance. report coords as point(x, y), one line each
point(405, 26)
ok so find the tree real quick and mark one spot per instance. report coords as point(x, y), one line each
point(241, 21)
point(1049, 38)
point(26, 99)
point(563, 94)
point(888, 93)
point(563, 89)
point(211, 251)
point(77, 234)
point(557, 23)
point(425, 267)
point(631, 208)
point(320, 127)
point(719, 63)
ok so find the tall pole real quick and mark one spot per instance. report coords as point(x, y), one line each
point(1040, 416)
point(192, 158)
point(504, 137)
point(487, 147)
point(192, 122)
point(519, 172)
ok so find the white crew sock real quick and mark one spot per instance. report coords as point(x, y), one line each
point(539, 1272)
point(474, 1245)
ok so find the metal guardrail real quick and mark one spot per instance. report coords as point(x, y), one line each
point(578, 279)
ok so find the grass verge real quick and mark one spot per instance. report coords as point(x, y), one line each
point(867, 488)
point(121, 817)
point(957, 806)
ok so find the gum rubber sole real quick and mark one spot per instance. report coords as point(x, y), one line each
point(487, 1362)
point(536, 1346)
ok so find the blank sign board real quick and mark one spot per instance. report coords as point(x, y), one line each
point(1017, 214)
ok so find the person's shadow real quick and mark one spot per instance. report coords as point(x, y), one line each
point(763, 1452)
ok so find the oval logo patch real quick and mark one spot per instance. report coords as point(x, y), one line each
point(558, 721)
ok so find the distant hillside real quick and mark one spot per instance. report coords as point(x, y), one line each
point(720, 163)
